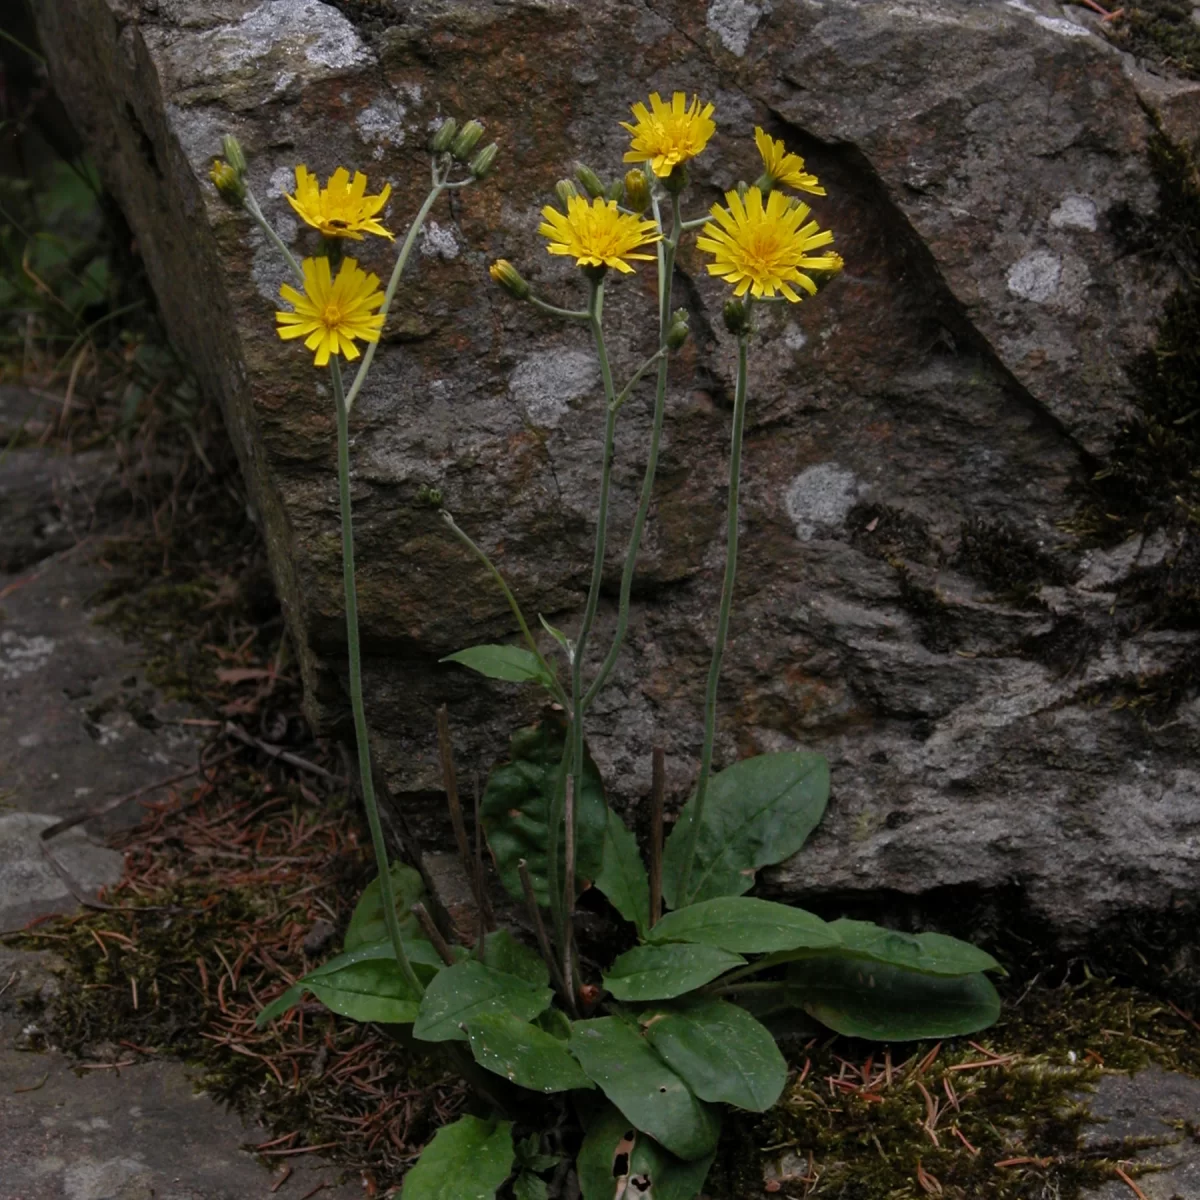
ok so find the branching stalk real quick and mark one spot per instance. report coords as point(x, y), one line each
point(714, 670)
point(387, 895)
point(257, 213)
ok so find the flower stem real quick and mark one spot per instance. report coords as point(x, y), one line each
point(360, 377)
point(714, 670)
point(257, 213)
point(665, 277)
point(570, 314)
point(386, 894)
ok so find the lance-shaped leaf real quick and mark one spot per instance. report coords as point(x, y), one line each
point(860, 998)
point(622, 875)
point(931, 953)
point(745, 925)
point(367, 925)
point(513, 664)
point(502, 952)
point(516, 810)
point(524, 1054)
point(652, 1097)
point(468, 1160)
point(758, 812)
point(469, 989)
point(719, 1050)
point(662, 972)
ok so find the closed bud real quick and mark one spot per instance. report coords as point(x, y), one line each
point(228, 182)
point(509, 278)
point(234, 155)
point(616, 190)
point(565, 190)
point(444, 136)
point(637, 191)
point(591, 181)
point(677, 180)
point(677, 331)
point(481, 164)
point(737, 319)
point(466, 141)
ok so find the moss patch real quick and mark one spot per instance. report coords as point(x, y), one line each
point(1163, 33)
point(1005, 560)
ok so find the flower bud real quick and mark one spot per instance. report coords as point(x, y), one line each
point(466, 141)
point(637, 191)
point(677, 331)
point(481, 164)
point(677, 180)
point(615, 191)
point(509, 278)
point(592, 183)
point(565, 190)
point(444, 136)
point(737, 318)
point(234, 155)
point(228, 182)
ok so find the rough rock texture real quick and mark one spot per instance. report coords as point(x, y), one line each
point(909, 600)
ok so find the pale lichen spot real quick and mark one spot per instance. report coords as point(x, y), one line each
point(545, 384)
point(1062, 26)
point(438, 242)
point(21, 655)
point(794, 338)
point(733, 21)
point(819, 499)
point(1075, 212)
point(1036, 276)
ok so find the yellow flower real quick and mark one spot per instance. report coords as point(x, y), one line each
point(227, 180)
point(669, 134)
point(782, 167)
point(341, 208)
point(597, 234)
point(766, 249)
point(332, 313)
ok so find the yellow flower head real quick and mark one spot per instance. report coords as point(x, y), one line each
point(669, 134)
point(782, 168)
point(597, 234)
point(341, 208)
point(332, 313)
point(765, 248)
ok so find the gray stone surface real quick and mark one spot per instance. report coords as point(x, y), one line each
point(970, 365)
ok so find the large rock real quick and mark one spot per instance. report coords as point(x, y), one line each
point(918, 436)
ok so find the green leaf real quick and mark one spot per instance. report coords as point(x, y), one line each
point(468, 990)
point(866, 999)
point(530, 1156)
point(652, 1096)
point(555, 1022)
point(558, 635)
point(516, 810)
point(745, 925)
point(367, 925)
point(613, 1151)
point(758, 812)
point(662, 972)
point(285, 1000)
point(932, 953)
point(523, 1054)
point(528, 1186)
point(719, 1050)
point(622, 875)
point(468, 1160)
point(513, 664)
point(502, 952)
point(667, 1177)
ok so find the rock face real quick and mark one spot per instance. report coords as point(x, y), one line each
point(919, 438)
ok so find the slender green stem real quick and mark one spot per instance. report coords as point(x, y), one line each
point(571, 314)
point(637, 375)
point(556, 690)
point(386, 894)
point(666, 272)
point(714, 670)
point(267, 228)
point(696, 223)
point(439, 186)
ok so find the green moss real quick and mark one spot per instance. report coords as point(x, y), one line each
point(1162, 32)
point(1005, 560)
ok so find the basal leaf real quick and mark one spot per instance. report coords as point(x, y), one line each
point(524, 1054)
point(622, 875)
point(745, 925)
point(860, 998)
point(528, 1186)
point(652, 1097)
point(660, 972)
point(932, 953)
point(719, 1050)
point(502, 952)
point(663, 1175)
point(468, 1160)
point(469, 989)
point(513, 664)
point(285, 1000)
point(516, 810)
point(366, 925)
point(758, 812)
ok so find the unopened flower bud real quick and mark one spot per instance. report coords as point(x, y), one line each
point(444, 136)
point(481, 164)
point(737, 319)
point(637, 191)
point(677, 331)
point(466, 141)
point(234, 155)
point(509, 278)
point(615, 191)
point(228, 182)
point(592, 183)
point(677, 180)
point(565, 190)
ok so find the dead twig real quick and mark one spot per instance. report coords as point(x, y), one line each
point(539, 928)
point(433, 933)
